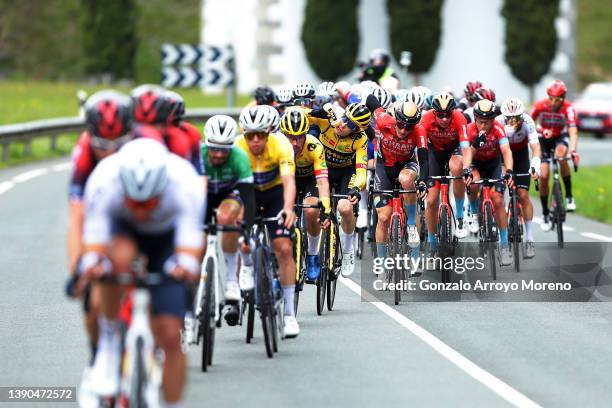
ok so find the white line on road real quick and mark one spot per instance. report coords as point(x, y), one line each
point(496, 385)
point(598, 237)
point(6, 186)
point(568, 228)
point(61, 166)
point(28, 175)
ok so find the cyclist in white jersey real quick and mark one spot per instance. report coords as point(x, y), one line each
point(143, 201)
point(521, 131)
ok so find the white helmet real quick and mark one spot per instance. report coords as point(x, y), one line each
point(255, 119)
point(368, 87)
point(304, 90)
point(284, 95)
point(400, 95)
point(273, 117)
point(415, 96)
point(512, 107)
point(327, 88)
point(220, 131)
point(383, 96)
point(142, 168)
point(425, 91)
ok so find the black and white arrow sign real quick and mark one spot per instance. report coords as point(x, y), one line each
point(187, 77)
point(190, 54)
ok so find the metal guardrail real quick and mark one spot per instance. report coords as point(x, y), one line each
point(25, 132)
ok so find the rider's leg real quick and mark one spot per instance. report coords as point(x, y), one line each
point(500, 216)
point(527, 211)
point(407, 178)
point(166, 330)
point(347, 232)
point(544, 177)
point(311, 216)
point(561, 151)
point(283, 249)
point(456, 166)
point(229, 211)
point(382, 228)
point(431, 215)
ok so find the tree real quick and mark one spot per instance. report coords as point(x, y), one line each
point(415, 26)
point(109, 37)
point(331, 37)
point(531, 39)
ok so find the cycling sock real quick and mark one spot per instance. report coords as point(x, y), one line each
point(231, 266)
point(288, 294)
point(415, 253)
point(528, 231)
point(313, 244)
point(246, 259)
point(544, 201)
point(503, 237)
point(381, 250)
point(459, 207)
point(109, 334)
point(431, 239)
point(347, 240)
point(410, 213)
point(474, 206)
point(363, 203)
point(567, 182)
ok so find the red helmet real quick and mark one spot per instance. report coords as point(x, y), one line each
point(108, 114)
point(148, 103)
point(177, 108)
point(557, 88)
point(471, 87)
point(485, 93)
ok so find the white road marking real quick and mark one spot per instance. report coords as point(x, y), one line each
point(496, 385)
point(598, 237)
point(568, 228)
point(61, 166)
point(28, 175)
point(6, 186)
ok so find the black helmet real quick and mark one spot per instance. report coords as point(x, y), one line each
point(443, 102)
point(485, 109)
point(264, 95)
point(408, 113)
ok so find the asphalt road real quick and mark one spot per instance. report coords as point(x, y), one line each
point(363, 353)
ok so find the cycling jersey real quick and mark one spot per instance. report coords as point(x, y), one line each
point(392, 149)
point(444, 138)
point(343, 152)
point(224, 179)
point(275, 161)
point(83, 163)
point(469, 114)
point(520, 138)
point(557, 122)
point(494, 138)
point(181, 206)
point(311, 159)
point(184, 140)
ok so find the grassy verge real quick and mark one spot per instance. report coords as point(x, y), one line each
point(594, 58)
point(592, 188)
point(41, 149)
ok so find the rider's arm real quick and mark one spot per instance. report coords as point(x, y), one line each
point(188, 240)
point(361, 163)
point(320, 172)
point(572, 128)
point(287, 173)
point(467, 150)
point(422, 151)
point(76, 218)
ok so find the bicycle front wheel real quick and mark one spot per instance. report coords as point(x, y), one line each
point(489, 241)
point(265, 300)
point(325, 253)
point(515, 233)
point(445, 241)
point(396, 243)
point(332, 279)
point(559, 212)
point(207, 317)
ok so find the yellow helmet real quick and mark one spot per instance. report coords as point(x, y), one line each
point(359, 114)
point(294, 122)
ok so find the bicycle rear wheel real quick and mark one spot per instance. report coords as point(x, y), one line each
point(559, 212)
point(325, 252)
point(265, 300)
point(444, 242)
point(300, 252)
point(249, 303)
point(137, 397)
point(207, 317)
point(332, 278)
point(396, 244)
point(489, 241)
point(360, 242)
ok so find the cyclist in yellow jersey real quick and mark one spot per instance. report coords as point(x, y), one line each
point(346, 154)
point(271, 157)
point(311, 180)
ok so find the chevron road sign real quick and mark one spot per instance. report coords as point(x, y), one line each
point(189, 65)
point(189, 54)
point(188, 77)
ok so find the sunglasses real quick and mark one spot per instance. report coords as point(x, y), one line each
point(225, 150)
point(404, 125)
point(303, 102)
point(443, 115)
point(555, 98)
point(146, 205)
point(296, 138)
point(514, 118)
point(253, 135)
point(349, 123)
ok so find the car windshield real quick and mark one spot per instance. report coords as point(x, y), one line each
point(597, 92)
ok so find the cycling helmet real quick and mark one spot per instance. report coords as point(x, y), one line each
point(512, 107)
point(264, 95)
point(294, 123)
point(485, 109)
point(368, 87)
point(284, 96)
point(304, 90)
point(428, 102)
point(416, 96)
point(108, 114)
point(485, 93)
point(423, 90)
point(359, 114)
point(470, 88)
point(327, 88)
point(146, 102)
point(177, 108)
point(321, 99)
point(556, 88)
point(383, 96)
point(220, 131)
point(408, 113)
point(142, 168)
point(254, 119)
point(273, 118)
point(443, 102)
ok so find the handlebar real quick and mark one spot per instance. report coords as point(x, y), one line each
point(318, 206)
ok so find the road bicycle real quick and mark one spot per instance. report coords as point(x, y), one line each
point(397, 238)
point(372, 214)
point(557, 205)
point(516, 224)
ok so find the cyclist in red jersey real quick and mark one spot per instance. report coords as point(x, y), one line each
point(398, 136)
point(444, 125)
point(481, 147)
point(557, 130)
point(108, 120)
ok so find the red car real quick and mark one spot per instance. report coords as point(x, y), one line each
point(594, 109)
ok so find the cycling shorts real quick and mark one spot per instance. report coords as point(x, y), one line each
point(215, 200)
point(551, 144)
point(522, 165)
point(490, 170)
point(340, 180)
point(386, 175)
point(272, 202)
point(306, 186)
point(437, 161)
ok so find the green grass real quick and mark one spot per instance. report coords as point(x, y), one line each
point(594, 54)
point(27, 101)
